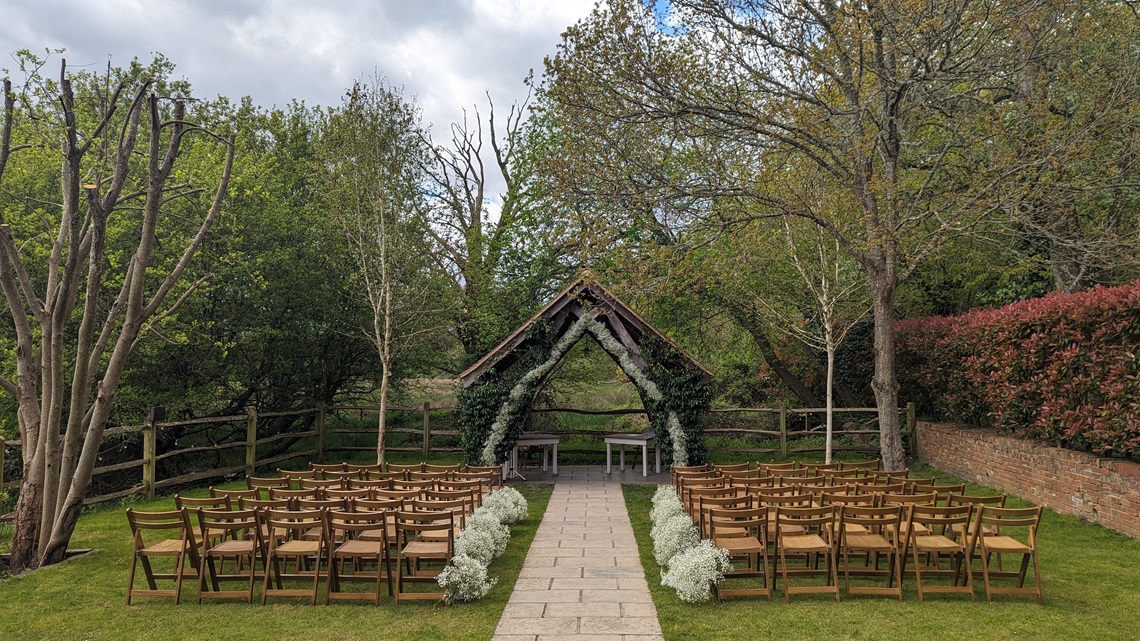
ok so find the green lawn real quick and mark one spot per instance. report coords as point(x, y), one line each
point(1091, 579)
point(85, 598)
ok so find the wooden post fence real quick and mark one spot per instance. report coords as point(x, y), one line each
point(320, 432)
point(2, 451)
point(150, 445)
point(427, 429)
point(250, 441)
point(783, 431)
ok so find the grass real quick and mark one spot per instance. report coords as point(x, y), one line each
point(1089, 573)
point(85, 598)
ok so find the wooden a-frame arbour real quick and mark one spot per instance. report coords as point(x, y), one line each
point(585, 297)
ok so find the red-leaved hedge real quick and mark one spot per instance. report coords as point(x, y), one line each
point(1061, 368)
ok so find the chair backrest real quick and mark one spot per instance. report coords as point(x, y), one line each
point(419, 486)
point(171, 524)
point(742, 474)
point(859, 465)
point(295, 524)
point(887, 488)
point(706, 503)
point(839, 475)
point(729, 522)
point(411, 524)
point(322, 504)
point(676, 469)
point(364, 469)
point(291, 495)
point(396, 494)
point(769, 467)
point(371, 475)
point(231, 524)
point(297, 474)
point(943, 491)
point(253, 482)
point(844, 498)
point(731, 467)
point(322, 467)
point(377, 505)
point(476, 469)
point(820, 466)
point(357, 484)
point(210, 503)
point(776, 501)
point(877, 520)
point(818, 520)
point(358, 493)
point(938, 518)
point(312, 484)
point(1004, 518)
point(428, 467)
point(350, 525)
point(997, 500)
point(264, 504)
point(929, 498)
point(408, 467)
point(749, 483)
point(343, 477)
point(463, 494)
point(429, 476)
point(235, 494)
point(790, 473)
point(910, 483)
point(455, 506)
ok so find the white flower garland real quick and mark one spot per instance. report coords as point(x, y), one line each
point(586, 323)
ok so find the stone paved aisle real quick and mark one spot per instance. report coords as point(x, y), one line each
point(582, 578)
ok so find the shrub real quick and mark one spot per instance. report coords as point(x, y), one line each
point(665, 504)
point(1062, 368)
point(465, 579)
point(695, 571)
point(483, 537)
point(672, 536)
point(508, 504)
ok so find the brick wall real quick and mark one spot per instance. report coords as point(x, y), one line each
point(1105, 491)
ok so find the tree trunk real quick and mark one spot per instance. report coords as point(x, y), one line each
point(382, 423)
point(885, 381)
point(830, 399)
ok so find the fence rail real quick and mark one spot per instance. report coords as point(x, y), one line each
point(320, 433)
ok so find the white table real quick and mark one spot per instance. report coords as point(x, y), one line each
point(644, 440)
point(529, 439)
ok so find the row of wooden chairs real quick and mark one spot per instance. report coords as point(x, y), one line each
point(411, 471)
point(346, 540)
point(291, 479)
point(757, 528)
point(264, 485)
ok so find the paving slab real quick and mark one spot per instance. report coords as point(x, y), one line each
point(582, 579)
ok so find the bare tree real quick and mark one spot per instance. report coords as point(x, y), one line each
point(374, 155)
point(73, 337)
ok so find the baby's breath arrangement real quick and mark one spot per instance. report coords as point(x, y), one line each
point(694, 572)
point(484, 536)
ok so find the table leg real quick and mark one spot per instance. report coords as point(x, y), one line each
point(556, 459)
point(621, 456)
point(657, 456)
point(609, 458)
point(545, 451)
point(644, 460)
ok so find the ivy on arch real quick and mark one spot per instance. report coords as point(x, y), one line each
point(675, 389)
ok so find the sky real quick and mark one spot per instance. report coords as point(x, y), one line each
point(446, 53)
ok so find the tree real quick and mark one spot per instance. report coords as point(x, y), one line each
point(500, 263)
point(74, 333)
point(690, 119)
point(374, 158)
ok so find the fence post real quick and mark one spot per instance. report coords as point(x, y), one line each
point(2, 452)
point(320, 432)
point(912, 428)
point(783, 431)
point(150, 439)
point(427, 429)
point(250, 441)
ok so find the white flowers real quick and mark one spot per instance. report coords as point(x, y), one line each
point(508, 505)
point(485, 536)
point(693, 566)
point(694, 572)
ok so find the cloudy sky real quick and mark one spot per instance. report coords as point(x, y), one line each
point(446, 53)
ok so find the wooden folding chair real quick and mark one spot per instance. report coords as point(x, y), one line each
point(278, 494)
point(770, 467)
point(263, 484)
point(403, 495)
point(429, 476)
point(450, 469)
point(345, 477)
point(321, 468)
point(880, 477)
point(734, 467)
point(414, 550)
point(732, 499)
point(160, 535)
point(863, 531)
point(369, 484)
point(321, 484)
point(364, 470)
point(1000, 520)
point(817, 537)
point(942, 492)
point(296, 475)
point(744, 533)
point(288, 543)
point(240, 539)
point(407, 467)
point(384, 476)
point(935, 545)
point(357, 493)
point(419, 486)
point(860, 465)
point(363, 540)
point(235, 494)
point(997, 500)
point(815, 468)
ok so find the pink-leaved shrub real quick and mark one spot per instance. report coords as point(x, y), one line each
point(1062, 368)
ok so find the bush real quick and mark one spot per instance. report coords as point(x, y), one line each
point(1062, 368)
point(508, 504)
point(465, 579)
point(694, 572)
point(671, 536)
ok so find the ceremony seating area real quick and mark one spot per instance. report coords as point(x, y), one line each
point(388, 527)
point(811, 524)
